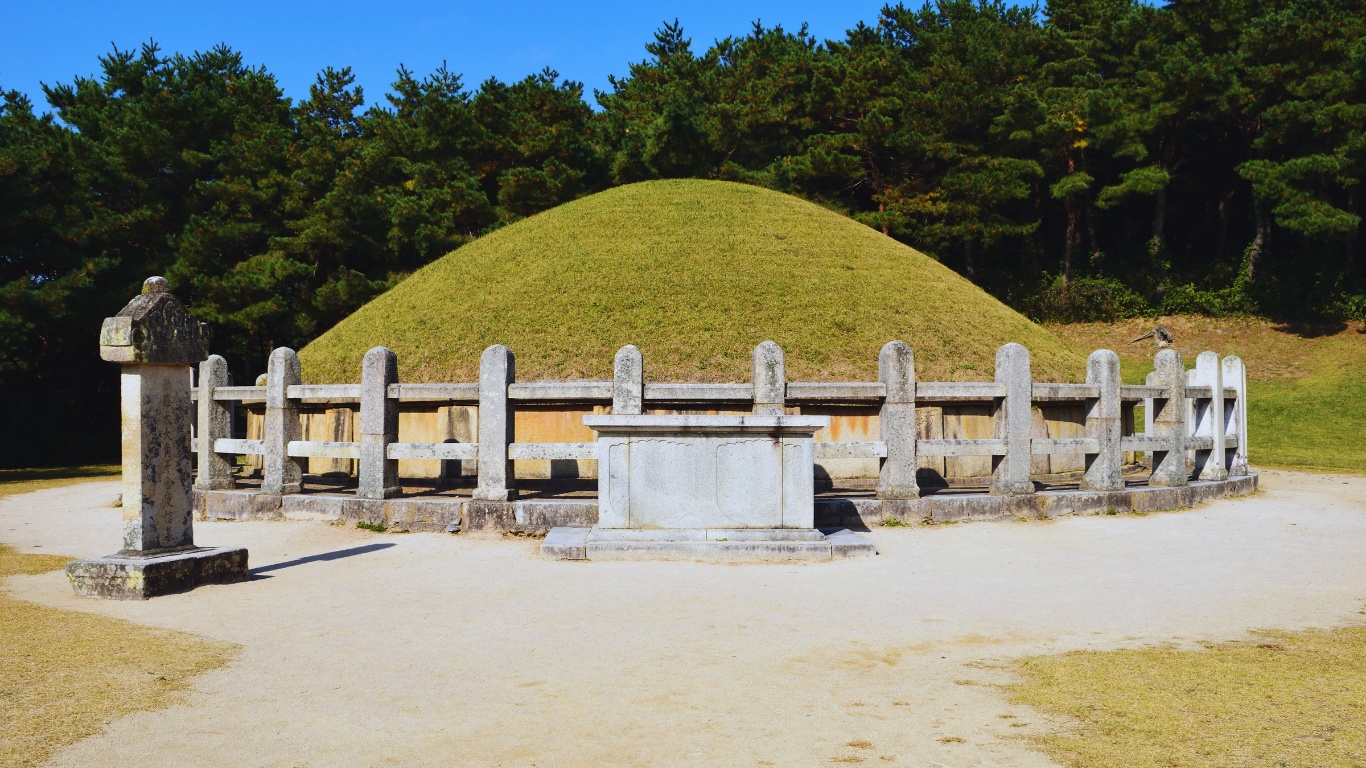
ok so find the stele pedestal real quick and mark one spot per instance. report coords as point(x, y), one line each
point(155, 340)
point(705, 487)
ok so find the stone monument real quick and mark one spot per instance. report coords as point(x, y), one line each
point(155, 340)
point(704, 486)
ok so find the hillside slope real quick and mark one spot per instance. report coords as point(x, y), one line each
point(695, 273)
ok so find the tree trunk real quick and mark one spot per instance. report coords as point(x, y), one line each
point(1254, 251)
point(1224, 201)
point(1353, 276)
point(969, 267)
point(1096, 254)
point(1073, 237)
point(1157, 243)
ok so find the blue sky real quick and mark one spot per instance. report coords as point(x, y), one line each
point(54, 40)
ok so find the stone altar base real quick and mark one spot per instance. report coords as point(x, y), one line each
point(136, 576)
point(710, 544)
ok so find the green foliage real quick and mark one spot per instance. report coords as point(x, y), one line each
point(1086, 159)
point(366, 525)
point(1087, 299)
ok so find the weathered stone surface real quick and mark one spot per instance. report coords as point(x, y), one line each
point(378, 426)
point(153, 328)
point(628, 382)
point(718, 551)
point(1211, 419)
point(897, 422)
point(135, 576)
point(706, 471)
point(1103, 424)
point(489, 515)
point(565, 544)
point(1169, 420)
point(215, 421)
point(497, 369)
point(540, 515)
point(864, 513)
point(157, 463)
point(770, 380)
point(1235, 376)
point(281, 472)
point(723, 545)
point(1010, 473)
point(846, 543)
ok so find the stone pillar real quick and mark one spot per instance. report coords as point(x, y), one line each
point(378, 426)
point(155, 340)
point(1235, 413)
point(1104, 469)
point(1148, 409)
point(628, 382)
point(215, 421)
point(497, 369)
point(281, 474)
point(1169, 420)
point(770, 380)
point(1010, 473)
point(896, 422)
point(1211, 464)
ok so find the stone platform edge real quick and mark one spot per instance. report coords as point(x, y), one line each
point(418, 513)
point(739, 546)
point(134, 576)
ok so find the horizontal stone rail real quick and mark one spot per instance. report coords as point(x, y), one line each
point(1194, 418)
point(240, 447)
point(303, 449)
point(439, 451)
point(552, 451)
point(462, 394)
point(851, 450)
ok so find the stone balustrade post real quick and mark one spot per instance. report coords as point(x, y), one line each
point(378, 426)
point(1169, 420)
point(497, 369)
point(1010, 472)
point(1104, 469)
point(1148, 410)
point(281, 473)
point(770, 380)
point(628, 382)
point(155, 341)
point(215, 421)
point(1235, 413)
point(896, 422)
point(1211, 464)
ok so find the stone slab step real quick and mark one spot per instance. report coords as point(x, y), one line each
point(566, 543)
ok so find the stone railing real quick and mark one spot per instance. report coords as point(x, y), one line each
point(1195, 420)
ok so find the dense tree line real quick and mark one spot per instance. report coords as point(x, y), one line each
point(1087, 160)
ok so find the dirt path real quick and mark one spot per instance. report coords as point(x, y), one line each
point(427, 649)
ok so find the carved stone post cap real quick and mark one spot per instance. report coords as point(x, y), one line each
point(153, 328)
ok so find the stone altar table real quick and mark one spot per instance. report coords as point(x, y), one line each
point(705, 487)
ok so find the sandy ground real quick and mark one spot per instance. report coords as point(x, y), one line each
point(431, 649)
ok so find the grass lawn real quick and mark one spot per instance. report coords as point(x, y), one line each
point(1293, 700)
point(1306, 386)
point(694, 273)
point(68, 674)
point(14, 481)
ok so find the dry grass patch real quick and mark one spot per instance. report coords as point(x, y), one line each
point(695, 273)
point(1283, 699)
point(14, 481)
point(68, 674)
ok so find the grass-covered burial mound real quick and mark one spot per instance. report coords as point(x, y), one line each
point(695, 273)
